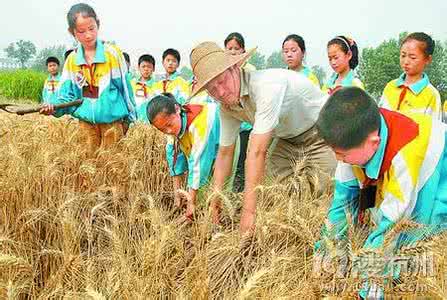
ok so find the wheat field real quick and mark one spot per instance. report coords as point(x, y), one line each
point(105, 228)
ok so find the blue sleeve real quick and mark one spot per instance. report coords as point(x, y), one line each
point(67, 92)
point(376, 238)
point(128, 95)
point(201, 161)
point(181, 165)
point(336, 226)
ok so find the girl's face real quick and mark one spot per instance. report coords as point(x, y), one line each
point(86, 31)
point(234, 48)
point(292, 55)
point(413, 60)
point(338, 59)
point(169, 124)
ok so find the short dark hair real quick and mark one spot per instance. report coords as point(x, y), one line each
point(237, 37)
point(163, 103)
point(52, 59)
point(348, 117)
point(298, 39)
point(423, 38)
point(126, 57)
point(67, 53)
point(347, 45)
point(147, 58)
point(172, 52)
point(83, 9)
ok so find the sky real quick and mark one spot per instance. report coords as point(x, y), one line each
point(148, 26)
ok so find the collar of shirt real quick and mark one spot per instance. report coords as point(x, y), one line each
point(347, 81)
point(55, 78)
point(171, 77)
point(416, 87)
point(244, 86)
point(99, 54)
point(372, 167)
point(184, 122)
point(305, 71)
point(146, 82)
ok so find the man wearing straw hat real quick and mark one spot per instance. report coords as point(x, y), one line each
point(278, 103)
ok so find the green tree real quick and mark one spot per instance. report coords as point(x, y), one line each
point(320, 73)
point(41, 57)
point(379, 65)
point(22, 51)
point(257, 60)
point(437, 71)
point(275, 61)
point(186, 73)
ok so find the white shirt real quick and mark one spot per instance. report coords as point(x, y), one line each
point(278, 100)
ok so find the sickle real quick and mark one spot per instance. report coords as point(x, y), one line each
point(15, 109)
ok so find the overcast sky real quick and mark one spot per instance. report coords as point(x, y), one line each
point(140, 26)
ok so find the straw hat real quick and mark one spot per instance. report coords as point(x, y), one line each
point(208, 61)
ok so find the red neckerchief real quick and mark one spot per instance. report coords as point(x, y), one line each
point(401, 131)
point(191, 111)
point(143, 87)
point(91, 69)
point(165, 83)
point(402, 95)
point(52, 84)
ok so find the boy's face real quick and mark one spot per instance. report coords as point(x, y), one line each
point(359, 155)
point(168, 124)
point(52, 68)
point(146, 69)
point(170, 64)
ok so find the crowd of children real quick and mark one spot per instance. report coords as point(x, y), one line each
point(400, 155)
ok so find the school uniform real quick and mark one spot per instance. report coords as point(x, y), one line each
point(350, 80)
point(310, 74)
point(105, 90)
point(142, 93)
point(409, 173)
point(50, 88)
point(198, 141)
point(419, 97)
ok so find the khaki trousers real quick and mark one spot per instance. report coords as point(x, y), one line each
point(307, 146)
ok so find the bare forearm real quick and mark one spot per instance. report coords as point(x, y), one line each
point(223, 167)
point(254, 175)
